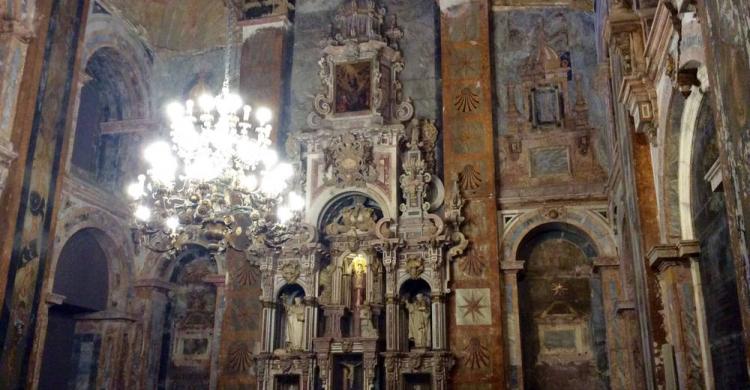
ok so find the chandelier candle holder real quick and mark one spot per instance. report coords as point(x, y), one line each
point(218, 183)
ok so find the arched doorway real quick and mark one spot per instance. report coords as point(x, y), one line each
point(718, 275)
point(81, 283)
point(562, 319)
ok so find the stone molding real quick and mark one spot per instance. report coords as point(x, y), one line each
point(53, 299)
point(511, 266)
point(661, 257)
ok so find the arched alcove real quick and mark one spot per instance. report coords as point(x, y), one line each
point(718, 274)
point(81, 282)
point(290, 308)
point(188, 339)
point(112, 94)
point(415, 297)
point(561, 313)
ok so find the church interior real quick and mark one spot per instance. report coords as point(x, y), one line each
point(375, 194)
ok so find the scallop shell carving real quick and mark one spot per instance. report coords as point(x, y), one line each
point(477, 355)
point(244, 274)
point(470, 179)
point(240, 358)
point(472, 265)
point(467, 100)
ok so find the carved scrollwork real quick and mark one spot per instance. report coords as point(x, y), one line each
point(350, 159)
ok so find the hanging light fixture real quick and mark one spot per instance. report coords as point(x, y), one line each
point(218, 181)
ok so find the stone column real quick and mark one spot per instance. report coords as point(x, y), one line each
point(393, 323)
point(269, 326)
point(264, 69)
point(513, 322)
point(677, 294)
point(151, 298)
point(469, 148)
point(311, 322)
point(617, 346)
point(219, 282)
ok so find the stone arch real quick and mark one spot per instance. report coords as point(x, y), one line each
point(105, 32)
point(317, 209)
point(692, 110)
point(561, 308)
point(109, 232)
point(281, 287)
point(669, 144)
point(593, 225)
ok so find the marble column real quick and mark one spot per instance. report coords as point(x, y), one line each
point(439, 329)
point(269, 326)
point(678, 299)
point(513, 322)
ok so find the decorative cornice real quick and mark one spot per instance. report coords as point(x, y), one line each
point(511, 266)
point(664, 256)
point(606, 262)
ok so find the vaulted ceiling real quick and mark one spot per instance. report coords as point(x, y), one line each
point(175, 25)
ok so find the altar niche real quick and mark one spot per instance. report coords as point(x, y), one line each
point(290, 327)
point(415, 315)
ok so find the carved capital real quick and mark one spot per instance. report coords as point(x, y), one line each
point(639, 97)
point(663, 257)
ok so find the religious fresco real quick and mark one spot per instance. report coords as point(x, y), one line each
point(353, 90)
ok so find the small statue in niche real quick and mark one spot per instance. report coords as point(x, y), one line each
point(295, 323)
point(419, 321)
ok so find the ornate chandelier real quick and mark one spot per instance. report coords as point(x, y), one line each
point(218, 183)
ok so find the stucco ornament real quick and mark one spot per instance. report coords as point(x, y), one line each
point(415, 267)
point(350, 161)
point(290, 272)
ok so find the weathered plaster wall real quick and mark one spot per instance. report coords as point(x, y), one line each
point(515, 38)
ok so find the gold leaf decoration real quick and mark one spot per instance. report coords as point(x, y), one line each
point(467, 100)
point(470, 179)
point(477, 355)
point(240, 358)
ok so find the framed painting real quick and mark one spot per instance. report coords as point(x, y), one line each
point(353, 87)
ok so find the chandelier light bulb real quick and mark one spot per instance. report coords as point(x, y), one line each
point(156, 152)
point(172, 223)
point(263, 115)
point(206, 102)
point(284, 215)
point(249, 183)
point(143, 213)
point(246, 110)
point(296, 202)
point(135, 190)
point(175, 111)
point(269, 158)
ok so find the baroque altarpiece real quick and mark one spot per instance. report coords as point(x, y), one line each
point(357, 299)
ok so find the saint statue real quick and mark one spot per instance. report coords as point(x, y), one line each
point(295, 324)
point(419, 321)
